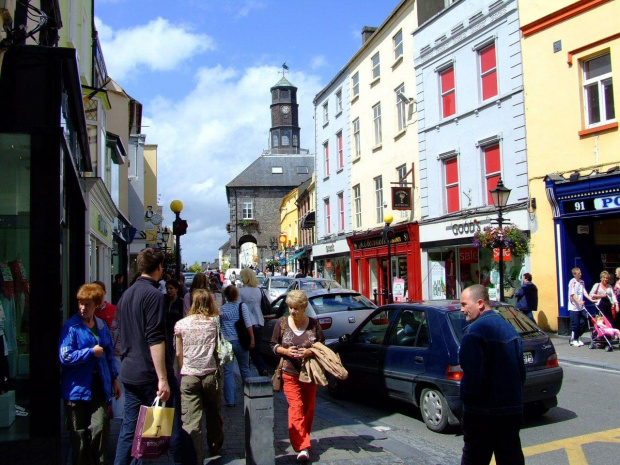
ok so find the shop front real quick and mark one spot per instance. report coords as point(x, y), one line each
point(586, 213)
point(332, 259)
point(369, 258)
point(451, 263)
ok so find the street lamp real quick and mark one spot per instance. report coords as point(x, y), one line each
point(179, 227)
point(500, 198)
point(165, 237)
point(273, 245)
point(282, 240)
point(388, 235)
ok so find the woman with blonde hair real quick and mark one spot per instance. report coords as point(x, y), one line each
point(201, 383)
point(251, 295)
point(605, 298)
point(293, 343)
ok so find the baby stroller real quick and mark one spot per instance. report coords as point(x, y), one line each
point(603, 333)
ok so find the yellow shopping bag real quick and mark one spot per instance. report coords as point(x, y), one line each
point(153, 431)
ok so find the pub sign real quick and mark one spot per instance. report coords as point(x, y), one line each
point(402, 198)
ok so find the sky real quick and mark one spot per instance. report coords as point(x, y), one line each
point(202, 70)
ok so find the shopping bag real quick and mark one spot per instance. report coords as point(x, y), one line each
point(153, 431)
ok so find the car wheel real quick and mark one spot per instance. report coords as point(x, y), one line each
point(335, 387)
point(435, 410)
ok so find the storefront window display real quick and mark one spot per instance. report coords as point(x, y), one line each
point(336, 268)
point(453, 269)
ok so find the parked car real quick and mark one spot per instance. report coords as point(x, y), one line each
point(189, 278)
point(409, 351)
point(275, 286)
point(311, 284)
point(261, 280)
point(338, 312)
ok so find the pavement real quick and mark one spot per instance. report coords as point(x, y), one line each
point(339, 438)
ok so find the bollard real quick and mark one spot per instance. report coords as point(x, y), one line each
point(258, 413)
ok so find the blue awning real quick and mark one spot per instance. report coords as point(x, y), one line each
point(296, 256)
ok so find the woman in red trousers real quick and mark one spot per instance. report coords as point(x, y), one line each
point(293, 344)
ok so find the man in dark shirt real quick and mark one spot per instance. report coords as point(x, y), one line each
point(527, 297)
point(146, 369)
point(117, 288)
point(491, 356)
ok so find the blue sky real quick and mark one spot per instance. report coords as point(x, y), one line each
point(202, 70)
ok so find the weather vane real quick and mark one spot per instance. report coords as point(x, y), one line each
point(284, 69)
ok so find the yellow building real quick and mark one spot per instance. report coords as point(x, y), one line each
point(570, 53)
point(289, 226)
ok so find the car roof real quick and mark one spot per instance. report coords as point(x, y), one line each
point(319, 292)
point(442, 305)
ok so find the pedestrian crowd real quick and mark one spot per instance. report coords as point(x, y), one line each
point(161, 341)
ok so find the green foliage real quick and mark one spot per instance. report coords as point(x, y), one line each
point(196, 267)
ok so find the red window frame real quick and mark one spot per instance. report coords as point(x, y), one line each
point(488, 72)
point(341, 213)
point(340, 150)
point(492, 169)
point(326, 156)
point(328, 222)
point(448, 92)
point(451, 169)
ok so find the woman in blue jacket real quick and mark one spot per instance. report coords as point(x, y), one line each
point(89, 378)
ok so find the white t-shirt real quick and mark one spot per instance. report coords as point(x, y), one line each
point(577, 289)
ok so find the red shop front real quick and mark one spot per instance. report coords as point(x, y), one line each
point(369, 259)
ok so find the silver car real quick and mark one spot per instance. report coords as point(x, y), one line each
point(275, 286)
point(339, 312)
point(311, 284)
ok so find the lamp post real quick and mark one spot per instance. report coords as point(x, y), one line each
point(500, 198)
point(388, 235)
point(177, 207)
point(165, 237)
point(273, 245)
point(282, 240)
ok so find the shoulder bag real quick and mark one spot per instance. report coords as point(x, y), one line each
point(276, 379)
point(224, 348)
point(242, 331)
point(265, 306)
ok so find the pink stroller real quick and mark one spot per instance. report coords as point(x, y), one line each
point(603, 333)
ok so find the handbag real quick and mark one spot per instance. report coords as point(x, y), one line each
point(242, 331)
point(153, 431)
point(276, 379)
point(224, 348)
point(265, 306)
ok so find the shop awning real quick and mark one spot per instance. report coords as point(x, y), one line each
point(296, 256)
point(308, 221)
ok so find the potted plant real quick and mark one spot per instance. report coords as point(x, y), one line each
point(509, 237)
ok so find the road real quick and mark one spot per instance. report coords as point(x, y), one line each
point(583, 429)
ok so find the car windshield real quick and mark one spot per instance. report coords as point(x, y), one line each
point(330, 303)
point(280, 283)
point(524, 326)
point(310, 285)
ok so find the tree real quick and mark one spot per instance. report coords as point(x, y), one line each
point(196, 267)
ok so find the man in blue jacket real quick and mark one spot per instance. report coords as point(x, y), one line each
point(527, 297)
point(491, 357)
point(146, 362)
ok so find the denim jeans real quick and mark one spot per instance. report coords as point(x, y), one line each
point(181, 446)
point(257, 358)
point(242, 357)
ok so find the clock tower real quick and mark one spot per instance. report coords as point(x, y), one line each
point(284, 132)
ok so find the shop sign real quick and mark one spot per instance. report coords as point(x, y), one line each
point(583, 229)
point(505, 253)
point(469, 227)
point(399, 237)
point(398, 290)
point(402, 198)
point(330, 248)
point(468, 255)
point(608, 202)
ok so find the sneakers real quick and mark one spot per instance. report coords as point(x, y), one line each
point(303, 456)
point(576, 343)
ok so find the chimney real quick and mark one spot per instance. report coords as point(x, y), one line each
point(367, 33)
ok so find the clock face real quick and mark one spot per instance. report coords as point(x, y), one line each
point(285, 109)
point(156, 219)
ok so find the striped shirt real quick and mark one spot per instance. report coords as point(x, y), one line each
point(229, 315)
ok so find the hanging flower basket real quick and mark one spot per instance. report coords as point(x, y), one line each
point(509, 237)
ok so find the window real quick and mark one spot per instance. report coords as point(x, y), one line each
point(277, 170)
point(247, 209)
point(451, 169)
point(303, 170)
point(340, 151)
point(295, 140)
point(398, 44)
point(341, 211)
point(492, 169)
point(376, 111)
point(402, 179)
point(325, 113)
point(357, 199)
point(448, 92)
point(488, 72)
point(598, 90)
point(286, 137)
point(411, 329)
point(401, 109)
point(326, 157)
point(355, 84)
point(376, 66)
point(338, 102)
point(275, 141)
point(356, 137)
point(328, 226)
point(379, 198)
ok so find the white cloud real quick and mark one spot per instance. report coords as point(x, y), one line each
point(248, 5)
point(206, 139)
point(318, 62)
point(158, 46)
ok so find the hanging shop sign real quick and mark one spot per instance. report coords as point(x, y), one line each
point(402, 198)
point(378, 241)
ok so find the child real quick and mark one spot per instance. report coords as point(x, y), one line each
point(606, 329)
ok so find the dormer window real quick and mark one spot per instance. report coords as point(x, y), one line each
point(277, 170)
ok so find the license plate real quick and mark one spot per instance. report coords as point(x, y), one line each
point(528, 358)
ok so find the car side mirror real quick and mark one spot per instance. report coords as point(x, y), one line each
point(345, 339)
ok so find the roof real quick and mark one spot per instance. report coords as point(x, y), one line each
point(283, 83)
point(260, 172)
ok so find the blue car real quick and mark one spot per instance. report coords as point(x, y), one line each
point(409, 351)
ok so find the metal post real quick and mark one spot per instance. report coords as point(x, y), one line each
point(178, 240)
point(259, 421)
point(389, 270)
point(501, 259)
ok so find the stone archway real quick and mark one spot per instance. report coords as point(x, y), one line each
point(248, 251)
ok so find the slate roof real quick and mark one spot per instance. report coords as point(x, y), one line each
point(259, 172)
